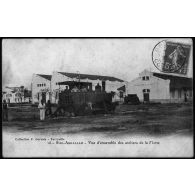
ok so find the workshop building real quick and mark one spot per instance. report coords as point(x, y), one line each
point(160, 87)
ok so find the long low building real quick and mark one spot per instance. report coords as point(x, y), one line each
point(47, 86)
point(160, 87)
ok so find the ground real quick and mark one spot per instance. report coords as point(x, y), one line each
point(154, 130)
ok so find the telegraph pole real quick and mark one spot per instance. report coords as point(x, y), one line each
point(79, 78)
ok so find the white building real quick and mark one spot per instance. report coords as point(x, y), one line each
point(107, 83)
point(47, 86)
point(160, 87)
point(13, 95)
point(41, 87)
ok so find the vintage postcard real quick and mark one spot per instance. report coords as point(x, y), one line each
point(97, 98)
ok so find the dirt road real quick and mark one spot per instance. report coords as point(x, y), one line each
point(168, 129)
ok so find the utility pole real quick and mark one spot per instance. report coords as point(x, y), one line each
point(79, 78)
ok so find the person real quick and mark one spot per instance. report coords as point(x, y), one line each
point(75, 89)
point(48, 108)
point(66, 90)
point(41, 106)
point(98, 88)
point(5, 111)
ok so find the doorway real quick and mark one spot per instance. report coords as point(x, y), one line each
point(44, 96)
point(146, 97)
point(103, 85)
point(146, 94)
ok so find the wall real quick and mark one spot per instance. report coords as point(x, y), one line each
point(35, 89)
point(55, 88)
point(178, 95)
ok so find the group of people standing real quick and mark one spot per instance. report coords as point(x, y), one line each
point(76, 89)
point(98, 88)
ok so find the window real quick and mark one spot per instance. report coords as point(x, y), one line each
point(146, 91)
point(44, 84)
point(37, 85)
point(145, 78)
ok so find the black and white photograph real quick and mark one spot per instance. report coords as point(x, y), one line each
point(97, 98)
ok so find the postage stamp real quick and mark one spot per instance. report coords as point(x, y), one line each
point(171, 57)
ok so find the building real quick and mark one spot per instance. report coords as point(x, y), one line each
point(11, 95)
point(15, 94)
point(107, 83)
point(160, 87)
point(41, 87)
point(47, 87)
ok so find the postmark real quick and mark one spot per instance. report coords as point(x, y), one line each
point(171, 57)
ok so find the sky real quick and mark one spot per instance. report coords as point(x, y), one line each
point(121, 58)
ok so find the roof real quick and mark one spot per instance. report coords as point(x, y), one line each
point(13, 89)
point(121, 88)
point(91, 77)
point(176, 82)
point(45, 76)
